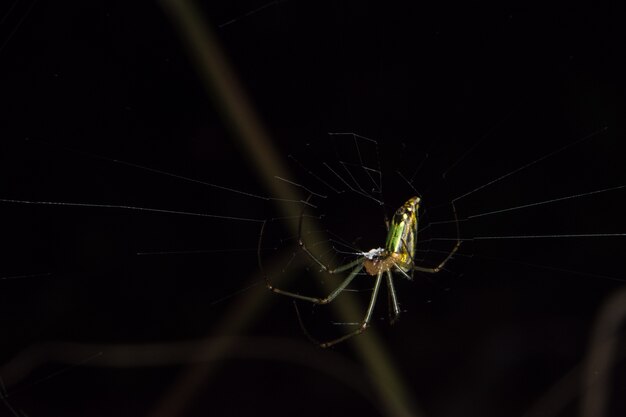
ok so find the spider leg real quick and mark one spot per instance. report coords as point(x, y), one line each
point(439, 267)
point(317, 300)
point(389, 301)
point(332, 270)
point(441, 264)
point(312, 256)
point(393, 298)
point(357, 264)
point(400, 270)
point(363, 325)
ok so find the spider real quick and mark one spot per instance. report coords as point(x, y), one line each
point(396, 256)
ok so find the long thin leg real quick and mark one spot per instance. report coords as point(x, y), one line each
point(362, 327)
point(317, 300)
point(450, 255)
point(394, 298)
point(357, 264)
point(441, 265)
point(323, 265)
point(310, 254)
point(366, 320)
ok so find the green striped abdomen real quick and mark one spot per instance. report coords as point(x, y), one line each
point(402, 235)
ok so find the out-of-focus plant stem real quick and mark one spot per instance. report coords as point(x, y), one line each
point(246, 127)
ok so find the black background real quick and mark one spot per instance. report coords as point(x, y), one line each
point(116, 80)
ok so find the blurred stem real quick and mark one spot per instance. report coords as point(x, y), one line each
point(298, 352)
point(245, 127)
point(601, 359)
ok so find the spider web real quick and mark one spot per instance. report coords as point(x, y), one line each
point(346, 187)
point(161, 211)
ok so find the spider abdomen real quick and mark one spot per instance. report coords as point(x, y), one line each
point(401, 238)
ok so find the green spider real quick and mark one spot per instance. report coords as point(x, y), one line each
point(396, 256)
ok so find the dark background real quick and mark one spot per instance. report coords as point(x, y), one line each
point(490, 336)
